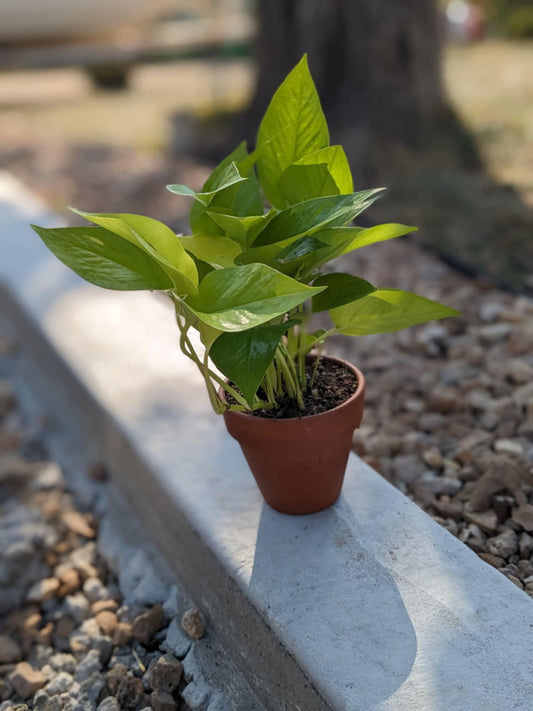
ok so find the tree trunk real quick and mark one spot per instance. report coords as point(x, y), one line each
point(375, 63)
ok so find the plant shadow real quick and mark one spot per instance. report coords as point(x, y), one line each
point(337, 608)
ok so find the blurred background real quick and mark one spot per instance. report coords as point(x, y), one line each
point(103, 103)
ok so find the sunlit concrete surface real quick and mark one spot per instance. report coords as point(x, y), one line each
point(367, 606)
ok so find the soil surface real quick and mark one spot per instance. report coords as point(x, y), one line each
point(333, 384)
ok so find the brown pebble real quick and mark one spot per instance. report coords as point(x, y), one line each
point(493, 560)
point(70, 583)
point(107, 621)
point(65, 625)
point(10, 651)
point(26, 680)
point(44, 635)
point(130, 692)
point(114, 676)
point(193, 624)
point(25, 619)
point(123, 634)
point(148, 623)
point(77, 523)
point(104, 605)
point(161, 701)
point(166, 674)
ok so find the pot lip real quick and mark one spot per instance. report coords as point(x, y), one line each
point(306, 418)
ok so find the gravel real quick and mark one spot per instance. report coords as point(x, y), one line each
point(71, 637)
point(449, 407)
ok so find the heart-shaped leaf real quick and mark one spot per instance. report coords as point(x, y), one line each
point(104, 259)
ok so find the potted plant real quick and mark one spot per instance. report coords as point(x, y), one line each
point(248, 281)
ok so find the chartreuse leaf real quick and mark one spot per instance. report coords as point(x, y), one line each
point(239, 298)
point(324, 172)
point(387, 310)
point(293, 126)
point(244, 357)
point(312, 215)
point(238, 228)
point(224, 179)
point(341, 289)
point(213, 249)
point(157, 240)
point(104, 259)
point(378, 233)
point(240, 199)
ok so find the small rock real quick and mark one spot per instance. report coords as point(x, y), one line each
point(130, 692)
point(161, 701)
point(525, 568)
point(433, 458)
point(440, 485)
point(77, 607)
point(166, 674)
point(95, 590)
point(26, 680)
point(193, 624)
point(104, 606)
point(93, 687)
point(448, 509)
point(63, 663)
point(487, 520)
point(502, 474)
point(147, 624)
point(43, 590)
point(114, 677)
point(176, 641)
point(10, 651)
point(523, 515)
point(525, 545)
point(107, 621)
point(443, 399)
point(123, 634)
point(108, 704)
point(70, 582)
point(44, 635)
point(88, 666)
point(503, 545)
point(59, 683)
point(494, 333)
point(49, 476)
point(64, 626)
point(491, 559)
point(508, 446)
point(515, 580)
point(77, 523)
point(519, 371)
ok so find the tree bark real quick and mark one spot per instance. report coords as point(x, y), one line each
point(375, 63)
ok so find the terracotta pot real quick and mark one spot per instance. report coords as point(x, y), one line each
point(299, 463)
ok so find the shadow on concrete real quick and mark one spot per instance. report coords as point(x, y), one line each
point(337, 608)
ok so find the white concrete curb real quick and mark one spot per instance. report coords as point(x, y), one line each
point(369, 605)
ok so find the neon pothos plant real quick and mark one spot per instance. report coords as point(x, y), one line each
point(246, 279)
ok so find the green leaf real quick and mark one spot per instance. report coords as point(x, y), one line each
point(157, 240)
point(378, 233)
point(238, 228)
point(239, 298)
point(240, 199)
point(245, 356)
point(387, 310)
point(312, 215)
point(104, 259)
point(324, 172)
point(224, 179)
point(296, 250)
point(293, 126)
point(341, 289)
point(215, 250)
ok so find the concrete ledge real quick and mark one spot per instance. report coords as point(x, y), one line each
point(369, 605)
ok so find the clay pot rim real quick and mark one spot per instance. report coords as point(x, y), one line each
point(305, 418)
